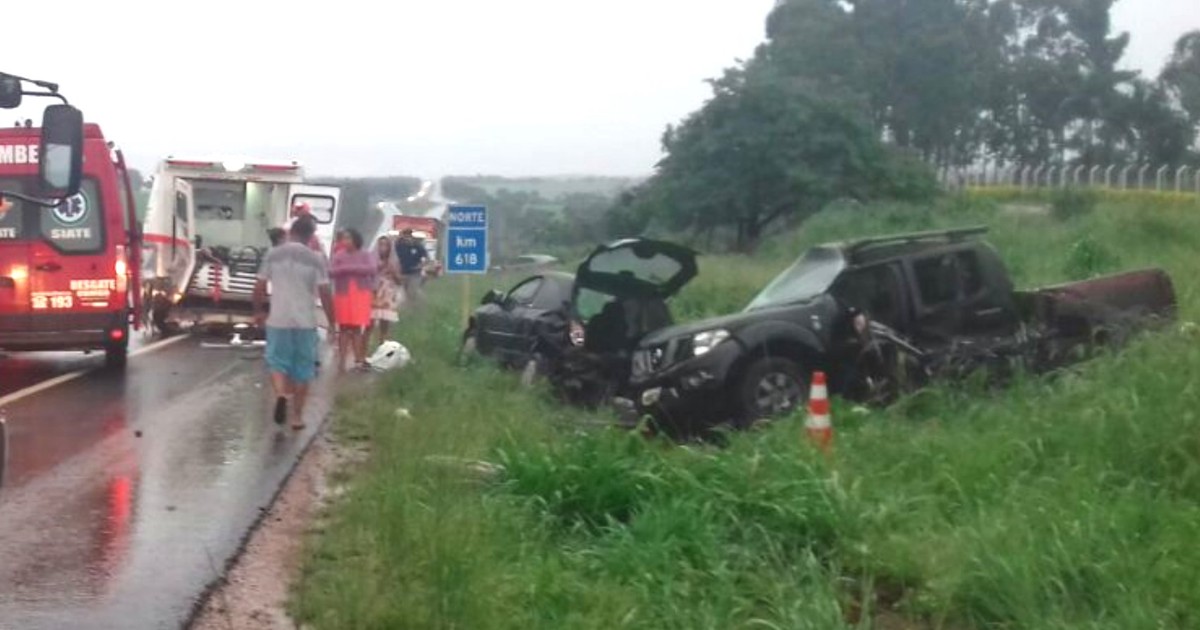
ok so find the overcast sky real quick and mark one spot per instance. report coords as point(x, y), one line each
point(423, 87)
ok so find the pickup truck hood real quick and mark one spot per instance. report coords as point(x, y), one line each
point(799, 313)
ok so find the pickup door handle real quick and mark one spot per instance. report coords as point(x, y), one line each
point(989, 312)
point(50, 266)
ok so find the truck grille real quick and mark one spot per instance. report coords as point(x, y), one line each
point(231, 281)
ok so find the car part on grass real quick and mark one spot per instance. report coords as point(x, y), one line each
point(390, 355)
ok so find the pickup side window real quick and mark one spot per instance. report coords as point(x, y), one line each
point(970, 273)
point(937, 280)
point(955, 298)
point(875, 291)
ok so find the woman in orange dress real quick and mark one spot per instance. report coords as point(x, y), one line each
point(354, 274)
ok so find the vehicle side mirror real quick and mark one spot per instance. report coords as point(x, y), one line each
point(60, 160)
point(10, 92)
point(492, 297)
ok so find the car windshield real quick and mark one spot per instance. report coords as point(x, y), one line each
point(811, 276)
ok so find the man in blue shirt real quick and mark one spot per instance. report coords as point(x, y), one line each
point(412, 255)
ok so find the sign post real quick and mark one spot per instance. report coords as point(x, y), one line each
point(467, 247)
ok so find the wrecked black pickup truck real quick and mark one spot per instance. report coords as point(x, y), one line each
point(881, 316)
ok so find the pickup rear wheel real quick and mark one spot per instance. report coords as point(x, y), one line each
point(769, 388)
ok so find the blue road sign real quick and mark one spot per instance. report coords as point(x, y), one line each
point(467, 240)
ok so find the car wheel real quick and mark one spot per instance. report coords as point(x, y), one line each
point(533, 371)
point(468, 350)
point(769, 388)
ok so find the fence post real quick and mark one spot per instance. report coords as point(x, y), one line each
point(1075, 177)
point(1037, 176)
point(1142, 176)
point(1024, 177)
point(1179, 175)
point(1108, 175)
point(1095, 170)
point(1159, 178)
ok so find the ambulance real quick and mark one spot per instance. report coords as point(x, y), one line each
point(69, 237)
point(207, 230)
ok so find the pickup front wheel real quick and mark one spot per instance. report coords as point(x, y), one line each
point(769, 388)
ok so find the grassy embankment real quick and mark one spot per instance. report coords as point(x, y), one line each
point(1069, 502)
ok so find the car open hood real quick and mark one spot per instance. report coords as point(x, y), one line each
point(637, 268)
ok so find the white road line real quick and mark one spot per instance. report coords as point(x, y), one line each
point(158, 345)
point(70, 376)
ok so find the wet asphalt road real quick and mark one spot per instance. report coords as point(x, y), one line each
point(101, 528)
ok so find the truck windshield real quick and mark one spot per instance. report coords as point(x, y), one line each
point(809, 277)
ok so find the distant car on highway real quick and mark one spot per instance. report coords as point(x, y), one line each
point(528, 263)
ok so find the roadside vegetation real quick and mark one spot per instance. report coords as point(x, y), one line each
point(1069, 501)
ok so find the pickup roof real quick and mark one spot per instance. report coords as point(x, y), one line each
point(879, 316)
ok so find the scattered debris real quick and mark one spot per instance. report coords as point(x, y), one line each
point(390, 355)
point(486, 470)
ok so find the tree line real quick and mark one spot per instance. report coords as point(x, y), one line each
point(859, 98)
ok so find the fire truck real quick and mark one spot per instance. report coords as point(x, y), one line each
point(69, 241)
point(207, 229)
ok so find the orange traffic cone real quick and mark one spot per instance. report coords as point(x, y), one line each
point(818, 426)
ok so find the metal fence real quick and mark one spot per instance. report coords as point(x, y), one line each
point(1162, 178)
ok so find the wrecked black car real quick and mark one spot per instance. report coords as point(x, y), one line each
point(580, 330)
point(880, 316)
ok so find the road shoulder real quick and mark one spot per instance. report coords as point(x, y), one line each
point(255, 590)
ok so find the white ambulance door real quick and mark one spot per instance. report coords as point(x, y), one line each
point(323, 204)
point(182, 249)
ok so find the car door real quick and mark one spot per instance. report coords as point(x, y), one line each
point(875, 291)
point(511, 331)
point(954, 300)
point(182, 248)
point(323, 204)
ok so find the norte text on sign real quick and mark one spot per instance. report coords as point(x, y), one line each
point(467, 239)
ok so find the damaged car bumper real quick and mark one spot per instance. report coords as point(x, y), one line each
point(685, 395)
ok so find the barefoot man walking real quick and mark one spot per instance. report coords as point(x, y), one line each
point(298, 276)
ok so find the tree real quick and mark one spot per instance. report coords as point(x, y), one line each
point(1181, 77)
point(765, 147)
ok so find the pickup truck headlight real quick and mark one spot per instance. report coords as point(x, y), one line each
point(703, 342)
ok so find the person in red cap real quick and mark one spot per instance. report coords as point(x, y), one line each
point(302, 209)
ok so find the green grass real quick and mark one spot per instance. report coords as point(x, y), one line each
point(1069, 502)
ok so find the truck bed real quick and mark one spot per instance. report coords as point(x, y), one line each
point(1078, 308)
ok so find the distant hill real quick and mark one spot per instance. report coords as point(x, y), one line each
point(550, 188)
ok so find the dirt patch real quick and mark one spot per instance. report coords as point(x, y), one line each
point(255, 591)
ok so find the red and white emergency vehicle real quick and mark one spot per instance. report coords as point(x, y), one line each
point(428, 230)
point(207, 229)
point(67, 271)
